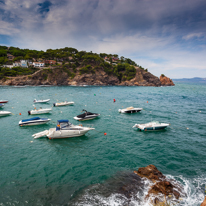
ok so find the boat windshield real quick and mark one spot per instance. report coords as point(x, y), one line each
point(65, 125)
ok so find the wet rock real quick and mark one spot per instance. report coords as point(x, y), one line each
point(162, 188)
point(150, 172)
point(165, 188)
point(204, 202)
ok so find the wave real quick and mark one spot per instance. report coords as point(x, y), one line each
point(128, 189)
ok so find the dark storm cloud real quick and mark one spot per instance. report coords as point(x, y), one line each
point(44, 7)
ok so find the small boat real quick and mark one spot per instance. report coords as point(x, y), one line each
point(130, 110)
point(4, 113)
point(41, 101)
point(1, 105)
point(86, 116)
point(64, 129)
point(3, 101)
point(62, 103)
point(33, 121)
point(155, 125)
point(40, 111)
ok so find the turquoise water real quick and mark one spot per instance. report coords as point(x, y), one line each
point(65, 171)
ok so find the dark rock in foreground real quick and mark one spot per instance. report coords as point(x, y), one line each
point(162, 187)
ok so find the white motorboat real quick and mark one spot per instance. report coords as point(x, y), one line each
point(40, 111)
point(3, 101)
point(130, 110)
point(64, 129)
point(63, 103)
point(33, 121)
point(154, 125)
point(4, 113)
point(41, 101)
point(86, 116)
point(1, 105)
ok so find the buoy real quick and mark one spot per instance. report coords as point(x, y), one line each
point(19, 113)
point(94, 94)
point(31, 141)
point(187, 128)
point(147, 101)
point(114, 100)
point(105, 133)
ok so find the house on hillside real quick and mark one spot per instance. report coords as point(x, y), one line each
point(24, 63)
point(8, 66)
point(115, 59)
point(38, 64)
point(17, 64)
point(10, 57)
point(50, 62)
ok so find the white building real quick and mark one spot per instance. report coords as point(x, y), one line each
point(24, 63)
point(38, 64)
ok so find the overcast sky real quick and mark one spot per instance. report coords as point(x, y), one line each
point(166, 36)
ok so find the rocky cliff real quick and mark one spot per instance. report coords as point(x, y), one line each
point(59, 76)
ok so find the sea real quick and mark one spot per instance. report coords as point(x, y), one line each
point(91, 169)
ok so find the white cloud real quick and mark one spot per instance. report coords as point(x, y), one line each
point(145, 31)
point(193, 35)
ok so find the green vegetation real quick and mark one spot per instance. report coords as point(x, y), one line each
point(70, 60)
point(15, 71)
point(162, 75)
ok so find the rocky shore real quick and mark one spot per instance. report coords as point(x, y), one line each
point(58, 76)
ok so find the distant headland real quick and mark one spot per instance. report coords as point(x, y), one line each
point(68, 66)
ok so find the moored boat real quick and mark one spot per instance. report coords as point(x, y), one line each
point(151, 126)
point(4, 113)
point(86, 116)
point(130, 110)
point(33, 121)
point(41, 101)
point(64, 129)
point(1, 105)
point(40, 111)
point(3, 101)
point(63, 103)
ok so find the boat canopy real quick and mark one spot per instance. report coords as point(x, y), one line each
point(34, 118)
point(62, 121)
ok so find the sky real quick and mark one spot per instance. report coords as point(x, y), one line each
point(165, 36)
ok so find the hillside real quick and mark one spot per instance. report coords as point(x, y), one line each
point(68, 66)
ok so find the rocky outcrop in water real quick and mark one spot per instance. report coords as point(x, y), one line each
point(162, 187)
point(165, 81)
point(58, 76)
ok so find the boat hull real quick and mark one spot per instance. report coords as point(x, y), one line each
point(63, 104)
point(86, 118)
point(43, 111)
point(3, 101)
point(66, 133)
point(130, 111)
point(4, 113)
point(33, 123)
point(153, 128)
point(42, 101)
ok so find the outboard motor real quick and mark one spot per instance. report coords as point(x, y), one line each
point(54, 104)
point(29, 112)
